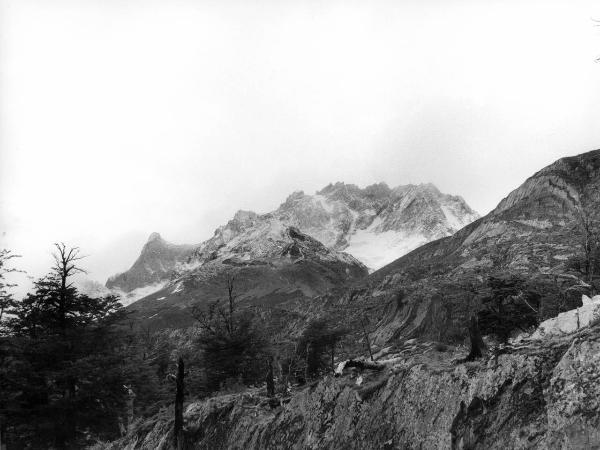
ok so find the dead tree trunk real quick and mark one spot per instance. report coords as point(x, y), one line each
point(477, 344)
point(230, 282)
point(178, 428)
point(332, 357)
point(366, 338)
point(270, 382)
point(307, 368)
point(2, 434)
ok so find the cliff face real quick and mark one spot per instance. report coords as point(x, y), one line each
point(537, 395)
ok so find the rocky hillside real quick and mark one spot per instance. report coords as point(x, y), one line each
point(540, 394)
point(375, 224)
point(533, 232)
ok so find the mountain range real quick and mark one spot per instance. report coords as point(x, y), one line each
point(376, 225)
point(308, 245)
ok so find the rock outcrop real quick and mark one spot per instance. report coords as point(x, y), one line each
point(572, 320)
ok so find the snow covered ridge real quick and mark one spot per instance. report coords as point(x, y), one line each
point(376, 225)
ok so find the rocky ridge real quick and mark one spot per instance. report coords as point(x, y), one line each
point(272, 264)
point(536, 395)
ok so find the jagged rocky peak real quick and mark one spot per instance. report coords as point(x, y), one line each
point(245, 217)
point(154, 237)
point(157, 261)
point(354, 196)
point(266, 236)
point(154, 243)
point(376, 224)
point(294, 197)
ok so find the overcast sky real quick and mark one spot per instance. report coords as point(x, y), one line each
point(123, 117)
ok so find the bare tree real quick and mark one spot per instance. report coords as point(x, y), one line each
point(208, 317)
point(65, 260)
point(230, 283)
point(292, 362)
point(477, 344)
point(366, 336)
point(269, 378)
point(590, 243)
point(179, 397)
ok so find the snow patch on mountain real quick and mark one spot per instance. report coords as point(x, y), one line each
point(127, 298)
point(378, 250)
point(455, 221)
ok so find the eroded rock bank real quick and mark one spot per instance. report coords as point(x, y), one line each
point(535, 395)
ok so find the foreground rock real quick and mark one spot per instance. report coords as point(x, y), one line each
point(572, 320)
point(541, 395)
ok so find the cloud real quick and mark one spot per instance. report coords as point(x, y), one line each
point(122, 118)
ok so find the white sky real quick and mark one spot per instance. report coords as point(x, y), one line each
point(123, 117)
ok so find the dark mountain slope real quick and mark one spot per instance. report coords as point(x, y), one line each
point(533, 228)
point(285, 266)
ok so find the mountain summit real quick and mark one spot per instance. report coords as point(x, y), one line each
point(376, 224)
point(157, 260)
